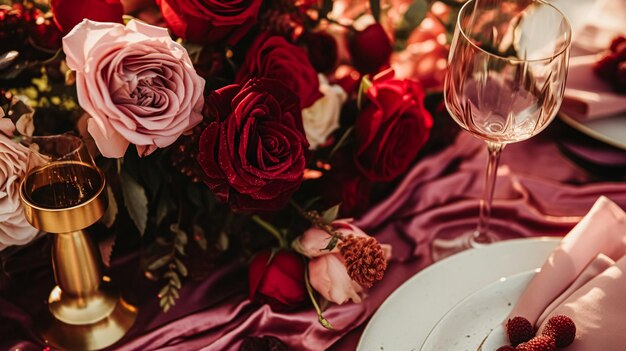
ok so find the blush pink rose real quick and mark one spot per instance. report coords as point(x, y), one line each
point(327, 269)
point(138, 85)
point(14, 229)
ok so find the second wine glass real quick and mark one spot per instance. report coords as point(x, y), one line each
point(506, 77)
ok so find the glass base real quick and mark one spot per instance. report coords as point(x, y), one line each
point(456, 240)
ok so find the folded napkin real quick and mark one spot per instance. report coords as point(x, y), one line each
point(587, 96)
point(581, 279)
point(604, 22)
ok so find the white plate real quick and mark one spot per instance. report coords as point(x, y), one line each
point(610, 130)
point(407, 316)
point(476, 322)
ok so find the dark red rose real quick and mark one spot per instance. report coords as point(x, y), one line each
point(322, 50)
point(370, 49)
point(274, 57)
point(253, 152)
point(209, 21)
point(391, 129)
point(278, 279)
point(68, 13)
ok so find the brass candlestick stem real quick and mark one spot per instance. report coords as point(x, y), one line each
point(87, 313)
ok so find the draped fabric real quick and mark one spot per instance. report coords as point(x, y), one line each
point(539, 192)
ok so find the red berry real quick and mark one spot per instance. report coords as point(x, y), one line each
point(562, 329)
point(538, 343)
point(616, 41)
point(519, 330)
point(506, 348)
point(606, 66)
point(620, 51)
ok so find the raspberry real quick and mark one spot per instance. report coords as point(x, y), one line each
point(538, 343)
point(506, 348)
point(616, 41)
point(562, 329)
point(519, 330)
point(620, 51)
point(606, 66)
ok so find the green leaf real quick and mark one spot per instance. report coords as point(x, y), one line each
point(181, 236)
point(331, 214)
point(342, 141)
point(181, 267)
point(222, 241)
point(163, 206)
point(135, 201)
point(151, 176)
point(164, 290)
point(159, 262)
point(111, 213)
point(307, 205)
point(174, 293)
point(331, 244)
point(375, 8)
point(366, 83)
point(416, 13)
point(174, 279)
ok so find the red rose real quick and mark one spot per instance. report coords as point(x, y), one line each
point(274, 57)
point(277, 280)
point(370, 49)
point(391, 129)
point(69, 13)
point(322, 50)
point(254, 151)
point(208, 21)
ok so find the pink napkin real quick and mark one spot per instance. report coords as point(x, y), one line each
point(581, 279)
point(588, 97)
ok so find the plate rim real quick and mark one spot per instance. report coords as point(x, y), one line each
point(360, 345)
point(581, 127)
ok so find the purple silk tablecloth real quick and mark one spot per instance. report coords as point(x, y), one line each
point(539, 192)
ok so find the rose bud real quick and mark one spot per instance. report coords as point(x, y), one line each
point(606, 66)
point(342, 273)
point(370, 49)
point(616, 42)
point(277, 280)
point(322, 50)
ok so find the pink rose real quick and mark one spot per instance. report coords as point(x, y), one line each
point(138, 85)
point(327, 269)
point(14, 229)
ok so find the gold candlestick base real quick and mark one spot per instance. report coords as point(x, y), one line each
point(63, 198)
point(102, 320)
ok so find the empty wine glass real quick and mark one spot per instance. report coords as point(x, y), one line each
point(506, 76)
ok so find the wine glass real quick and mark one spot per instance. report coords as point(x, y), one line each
point(63, 193)
point(506, 76)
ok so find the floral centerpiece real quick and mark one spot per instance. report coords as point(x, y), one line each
point(253, 128)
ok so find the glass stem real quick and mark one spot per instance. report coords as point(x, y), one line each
point(481, 236)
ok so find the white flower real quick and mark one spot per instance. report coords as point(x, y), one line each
point(322, 118)
point(14, 229)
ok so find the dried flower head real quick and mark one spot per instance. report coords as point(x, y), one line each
point(365, 259)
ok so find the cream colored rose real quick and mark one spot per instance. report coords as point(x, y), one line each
point(14, 229)
point(322, 118)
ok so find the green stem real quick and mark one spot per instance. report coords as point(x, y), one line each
point(272, 230)
point(323, 321)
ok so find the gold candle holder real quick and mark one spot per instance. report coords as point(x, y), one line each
point(87, 313)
